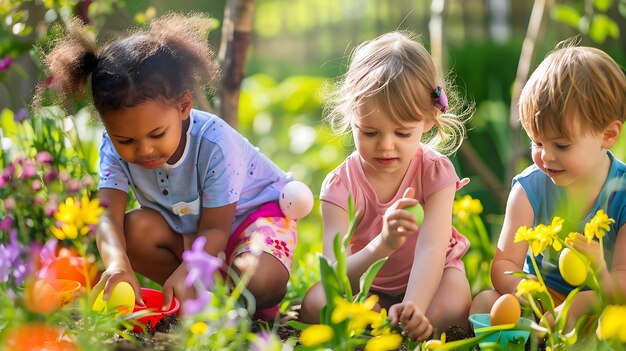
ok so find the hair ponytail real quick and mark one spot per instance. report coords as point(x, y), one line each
point(72, 60)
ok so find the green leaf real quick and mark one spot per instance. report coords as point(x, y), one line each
point(368, 277)
point(341, 270)
point(7, 123)
point(467, 344)
point(518, 274)
point(602, 5)
point(559, 324)
point(566, 14)
point(329, 278)
point(354, 219)
point(298, 325)
point(601, 27)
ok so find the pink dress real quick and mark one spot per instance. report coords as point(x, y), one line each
point(428, 173)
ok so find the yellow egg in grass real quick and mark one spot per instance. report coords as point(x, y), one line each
point(572, 267)
point(506, 310)
point(122, 299)
point(418, 212)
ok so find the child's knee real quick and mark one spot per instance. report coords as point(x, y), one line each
point(483, 301)
point(143, 226)
point(269, 281)
point(312, 304)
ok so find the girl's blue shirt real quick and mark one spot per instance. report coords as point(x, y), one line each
point(549, 200)
point(218, 167)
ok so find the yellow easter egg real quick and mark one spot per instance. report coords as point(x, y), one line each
point(572, 268)
point(122, 299)
point(418, 212)
point(506, 310)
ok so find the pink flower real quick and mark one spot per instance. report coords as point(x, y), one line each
point(43, 157)
point(28, 169)
point(9, 204)
point(6, 223)
point(37, 185)
point(5, 63)
point(51, 175)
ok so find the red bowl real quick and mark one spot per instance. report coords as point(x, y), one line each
point(154, 301)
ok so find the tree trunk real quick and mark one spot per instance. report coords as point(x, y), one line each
point(467, 152)
point(535, 26)
point(236, 31)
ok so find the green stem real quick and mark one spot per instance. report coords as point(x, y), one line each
point(482, 233)
point(540, 279)
point(83, 254)
point(533, 306)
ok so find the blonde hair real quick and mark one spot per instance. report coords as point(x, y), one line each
point(400, 75)
point(573, 84)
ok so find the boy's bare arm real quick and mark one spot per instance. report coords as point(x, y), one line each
point(510, 255)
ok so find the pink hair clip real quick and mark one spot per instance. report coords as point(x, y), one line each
point(440, 100)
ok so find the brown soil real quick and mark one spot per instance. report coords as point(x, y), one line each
point(163, 340)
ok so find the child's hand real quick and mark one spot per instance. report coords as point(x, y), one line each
point(114, 274)
point(397, 223)
point(175, 286)
point(591, 250)
point(411, 320)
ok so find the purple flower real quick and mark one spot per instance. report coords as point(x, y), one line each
point(11, 262)
point(193, 306)
point(264, 341)
point(5, 63)
point(48, 252)
point(21, 115)
point(201, 265)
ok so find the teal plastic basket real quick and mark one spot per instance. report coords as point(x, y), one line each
point(504, 337)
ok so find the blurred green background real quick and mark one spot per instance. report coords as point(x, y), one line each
point(298, 48)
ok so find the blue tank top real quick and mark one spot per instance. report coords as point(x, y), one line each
point(549, 200)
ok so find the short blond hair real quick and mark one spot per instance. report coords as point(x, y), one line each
point(573, 84)
point(398, 74)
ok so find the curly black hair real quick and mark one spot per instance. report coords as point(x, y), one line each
point(163, 62)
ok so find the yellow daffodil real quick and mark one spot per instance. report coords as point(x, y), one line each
point(612, 323)
point(199, 328)
point(465, 207)
point(360, 315)
point(344, 309)
point(384, 342)
point(598, 226)
point(316, 334)
point(571, 237)
point(68, 231)
point(381, 325)
point(529, 286)
point(75, 217)
point(523, 234)
point(541, 237)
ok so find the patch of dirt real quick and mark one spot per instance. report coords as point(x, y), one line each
point(163, 340)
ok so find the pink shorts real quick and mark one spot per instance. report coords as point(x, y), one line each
point(280, 234)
